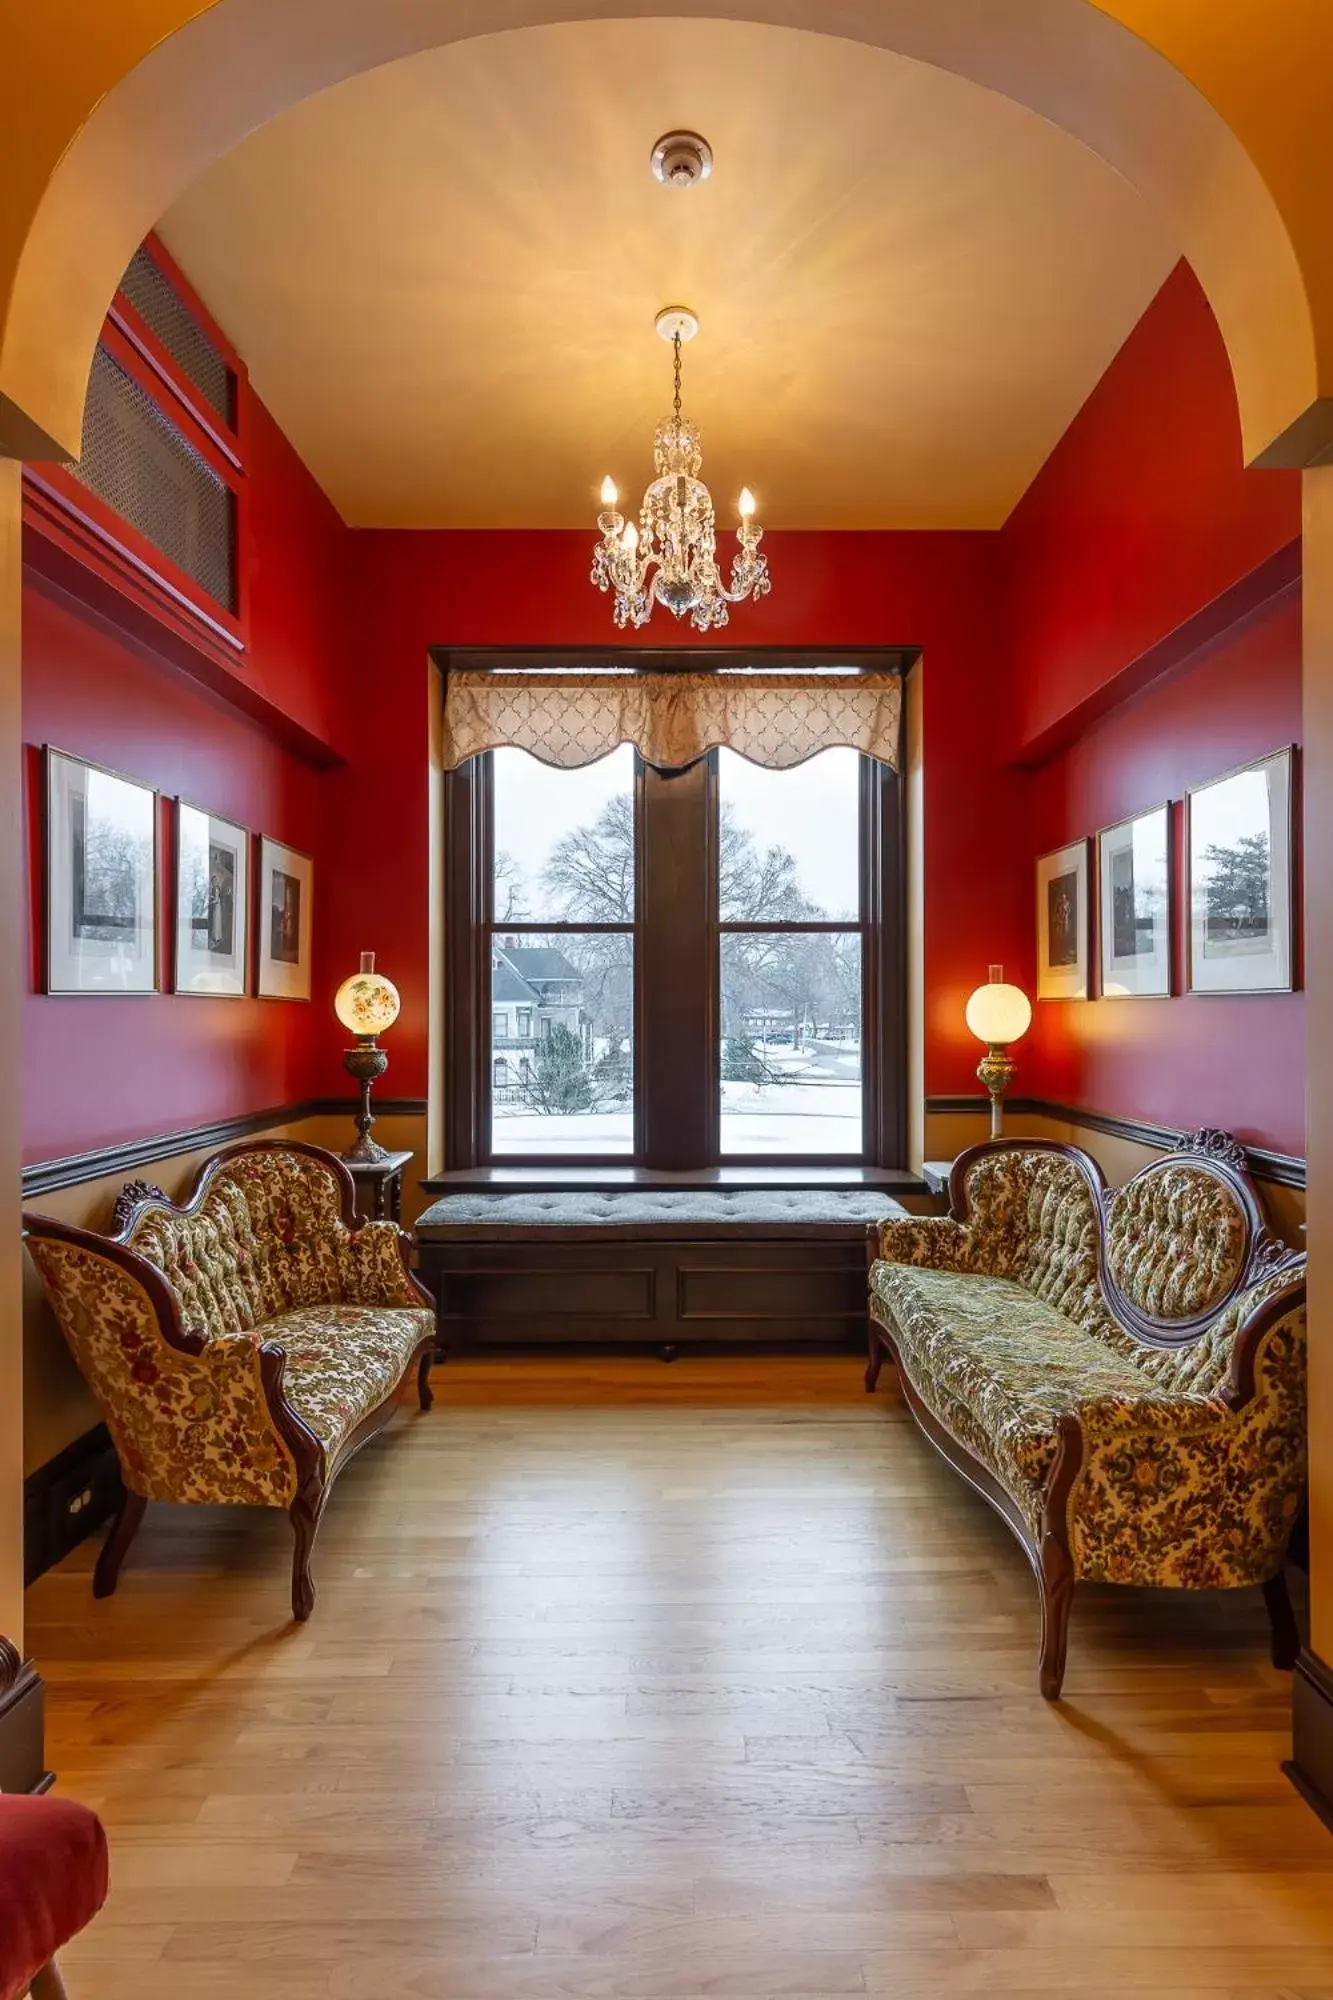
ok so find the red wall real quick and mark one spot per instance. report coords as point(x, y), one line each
point(98, 1071)
point(1132, 565)
point(936, 591)
point(1237, 1062)
point(1142, 517)
point(1050, 644)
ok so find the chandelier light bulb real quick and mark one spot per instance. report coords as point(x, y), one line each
point(746, 503)
point(630, 539)
point(609, 495)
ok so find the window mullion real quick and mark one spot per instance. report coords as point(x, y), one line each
point(677, 1006)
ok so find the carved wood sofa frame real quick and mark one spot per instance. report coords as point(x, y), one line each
point(314, 1473)
point(1264, 1256)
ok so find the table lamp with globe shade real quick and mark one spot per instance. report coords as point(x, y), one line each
point(366, 1004)
point(998, 1014)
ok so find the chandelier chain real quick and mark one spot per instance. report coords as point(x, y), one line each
point(675, 342)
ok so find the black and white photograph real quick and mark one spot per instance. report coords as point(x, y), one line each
point(212, 904)
point(1062, 923)
point(1240, 879)
point(283, 921)
point(1134, 902)
point(101, 879)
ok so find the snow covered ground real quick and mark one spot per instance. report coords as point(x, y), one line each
point(818, 1111)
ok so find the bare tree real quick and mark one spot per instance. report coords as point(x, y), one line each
point(508, 890)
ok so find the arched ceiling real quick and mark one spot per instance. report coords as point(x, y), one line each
point(443, 276)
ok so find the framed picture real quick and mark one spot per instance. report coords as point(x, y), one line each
point(101, 879)
point(1239, 845)
point(282, 915)
point(212, 904)
point(1134, 906)
point(1062, 923)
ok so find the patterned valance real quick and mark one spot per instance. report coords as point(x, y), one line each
point(571, 717)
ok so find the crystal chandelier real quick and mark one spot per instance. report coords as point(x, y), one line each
point(670, 558)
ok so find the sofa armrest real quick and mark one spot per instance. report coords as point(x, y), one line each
point(934, 1241)
point(1200, 1492)
point(377, 1270)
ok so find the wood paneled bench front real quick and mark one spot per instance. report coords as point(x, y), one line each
point(664, 1269)
point(1120, 1372)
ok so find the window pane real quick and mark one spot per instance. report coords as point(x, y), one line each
point(791, 1042)
point(789, 840)
point(562, 1010)
point(564, 840)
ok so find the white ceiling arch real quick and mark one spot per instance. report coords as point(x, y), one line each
point(238, 63)
point(443, 275)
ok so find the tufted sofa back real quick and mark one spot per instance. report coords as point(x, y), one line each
point(1039, 1213)
point(1177, 1237)
point(1165, 1270)
point(266, 1237)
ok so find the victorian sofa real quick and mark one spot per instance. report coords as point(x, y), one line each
point(242, 1345)
point(1121, 1374)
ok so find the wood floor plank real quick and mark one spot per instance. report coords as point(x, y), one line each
point(640, 1683)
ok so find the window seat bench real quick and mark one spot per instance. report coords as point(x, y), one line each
point(664, 1268)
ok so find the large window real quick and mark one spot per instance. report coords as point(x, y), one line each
point(675, 968)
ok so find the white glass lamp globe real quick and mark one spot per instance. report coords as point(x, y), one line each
point(999, 1014)
point(367, 1003)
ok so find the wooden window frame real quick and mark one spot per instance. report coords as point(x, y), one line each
point(677, 947)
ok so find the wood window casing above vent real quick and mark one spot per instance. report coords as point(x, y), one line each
point(167, 440)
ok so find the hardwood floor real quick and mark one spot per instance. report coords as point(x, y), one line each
point(628, 1679)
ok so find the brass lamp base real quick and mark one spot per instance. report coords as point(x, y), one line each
point(996, 1071)
point(365, 1063)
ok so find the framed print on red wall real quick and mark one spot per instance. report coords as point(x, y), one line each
point(1134, 906)
point(1062, 923)
point(283, 919)
point(1239, 845)
point(101, 879)
point(212, 904)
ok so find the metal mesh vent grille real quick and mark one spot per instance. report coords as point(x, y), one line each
point(151, 294)
point(141, 466)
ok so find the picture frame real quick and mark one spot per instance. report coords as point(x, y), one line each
point(283, 921)
point(212, 929)
point(1134, 906)
point(1240, 853)
point(1063, 930)
point(101, 878)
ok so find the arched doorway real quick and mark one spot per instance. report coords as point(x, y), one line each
point(121, 113)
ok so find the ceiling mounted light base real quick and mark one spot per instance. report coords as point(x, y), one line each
point(677, 323)
point(682, 159)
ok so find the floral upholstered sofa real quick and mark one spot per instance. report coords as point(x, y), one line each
point(244, 1344)
point(1120, 1373)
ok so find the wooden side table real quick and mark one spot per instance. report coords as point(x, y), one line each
point(935, 1173)
point(379, 1187)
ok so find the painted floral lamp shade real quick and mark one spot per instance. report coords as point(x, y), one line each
point(367, 1003)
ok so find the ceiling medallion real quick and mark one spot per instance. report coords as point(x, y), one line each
point(682, 159)
point(671, 557)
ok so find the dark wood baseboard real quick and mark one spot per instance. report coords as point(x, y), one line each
point(1311, 1765)
point(105, 1162)
point(22, 1725)
point(1282, 1169)
point(67, 1499)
